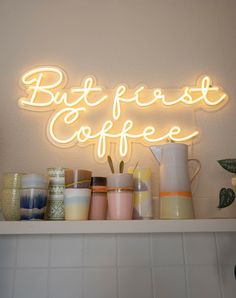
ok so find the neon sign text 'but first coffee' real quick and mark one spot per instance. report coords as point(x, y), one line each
point(45, 89)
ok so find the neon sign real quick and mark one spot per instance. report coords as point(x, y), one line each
point(45, 91)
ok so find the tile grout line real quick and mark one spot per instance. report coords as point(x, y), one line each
point(117, 270)
point(218, 265)
point(15, 264)
point(83, 267)
point(49, 264)
point(153, 290)
point(185, 266)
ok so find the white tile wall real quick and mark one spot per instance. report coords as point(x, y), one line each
point(32, 251)
point(128, 256)
point(100, 251)
point(65, 283)
point(135, 282)
point(167, 249)
point(228, 281)
point(203, 281)
point(200, 249)
point(66, 251)
point(8, 250)
point(30, 283)
point(169, 282)
point(191, 265)
point(6, 282)
point(100, 282)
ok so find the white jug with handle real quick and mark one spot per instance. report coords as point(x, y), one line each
point(175, 183)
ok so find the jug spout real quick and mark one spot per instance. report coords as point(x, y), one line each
point(156, 150)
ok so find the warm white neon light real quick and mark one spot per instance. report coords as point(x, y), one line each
point(70, 104)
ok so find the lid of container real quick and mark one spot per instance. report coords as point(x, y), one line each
point(122, 180)
point(98, 181)
point(34, 181)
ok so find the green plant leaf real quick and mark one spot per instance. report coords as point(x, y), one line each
point(228, 164)
point(226, 197)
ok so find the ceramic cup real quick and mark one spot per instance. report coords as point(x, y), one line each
point(120, 196)
point(10, 202)
point(33, 204)
point(76, 203)
point(10, 198)
point(56, 176)
point(33, 197)
point(142, 193)
point(98, 206)
point(77, 178)
point(12, 180)
point(55, 206)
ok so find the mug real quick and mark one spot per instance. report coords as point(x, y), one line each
point(76, 203)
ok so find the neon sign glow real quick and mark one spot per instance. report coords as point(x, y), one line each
point(45, 89)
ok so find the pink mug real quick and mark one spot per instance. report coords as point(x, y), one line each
point(120, 196)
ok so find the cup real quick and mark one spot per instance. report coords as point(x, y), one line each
point(76, 203)
point(10, 198)
point(77, 178)
point(56, 176)
point(10, 202)
point(12, 180)
point(98, 206)
point(33, 197)
point(120, 196)
point(142, 193)
point(55, 206)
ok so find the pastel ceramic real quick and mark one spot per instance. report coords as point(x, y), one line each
point(156, 207)
point(77, 178)
point(56, 176)
point(176, 205)
point(34, 181)
point(175, 183)
point(12, 180)
point(33, 204)
point(10, 201)
point(56, 189)
point(207, 208)
point(120, 196)
point(55, 209)
point(77, 202)
point(98, 205)
point(142, 193)
point(120, 204)
point(120, 180)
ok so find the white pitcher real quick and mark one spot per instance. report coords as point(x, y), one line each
point(175, 183)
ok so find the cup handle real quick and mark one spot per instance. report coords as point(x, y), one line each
point(197, 170)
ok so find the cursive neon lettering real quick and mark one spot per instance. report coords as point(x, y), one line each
point(44, 87)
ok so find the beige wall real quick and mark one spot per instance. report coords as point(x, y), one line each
point(161, 43)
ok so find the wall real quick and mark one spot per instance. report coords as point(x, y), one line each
point(161, 43)
point(124, 266)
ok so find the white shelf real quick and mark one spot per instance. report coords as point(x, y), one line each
point(116, 227)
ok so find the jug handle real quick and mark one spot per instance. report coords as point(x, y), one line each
point(197, 170)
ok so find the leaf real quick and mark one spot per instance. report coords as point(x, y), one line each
point(226, 197)
point(228, 164)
